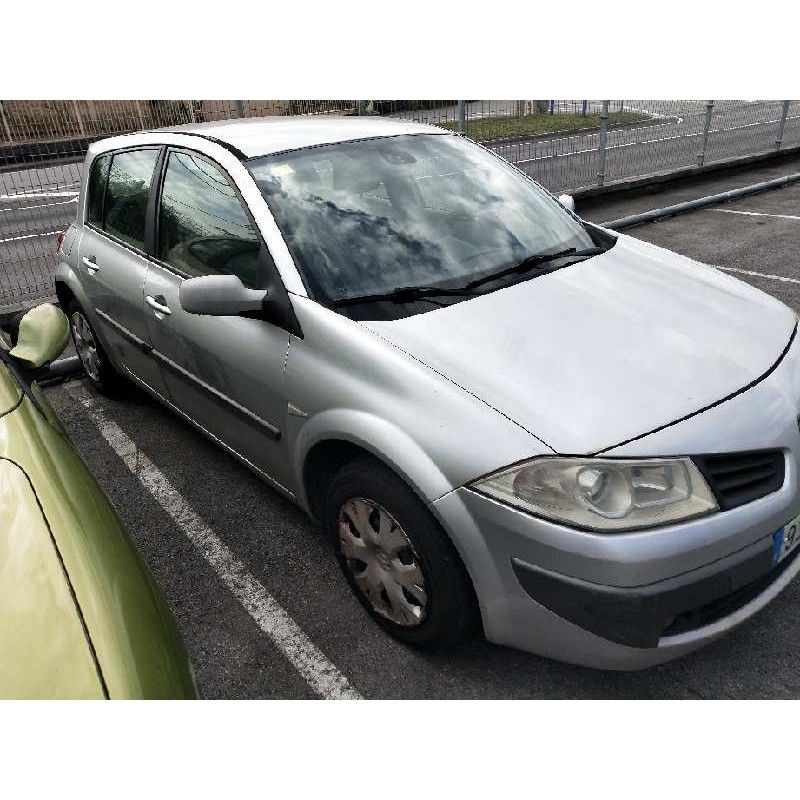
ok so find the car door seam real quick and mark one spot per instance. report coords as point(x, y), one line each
point(463, 388)
point(273, 431)
point(120, 328)
point(226, 447)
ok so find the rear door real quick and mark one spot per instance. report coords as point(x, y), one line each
point(225, 373)
point(112, 261)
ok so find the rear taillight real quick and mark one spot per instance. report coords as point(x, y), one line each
point(60, 239)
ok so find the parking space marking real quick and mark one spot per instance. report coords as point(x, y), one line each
point(28, 236)
point(754, 213)
point(759, 274)
point(25, 195)
point(320, 673)
point(42, 205)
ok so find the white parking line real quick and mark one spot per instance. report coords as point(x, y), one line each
point(25, 195)
point(41, 205)
point(28, 236)
point(754, 213)
point(320, 673)
point(782, 278)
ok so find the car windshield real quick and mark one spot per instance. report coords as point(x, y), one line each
point(364, 218)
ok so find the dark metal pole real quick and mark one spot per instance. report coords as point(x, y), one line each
point(462, 116)
point(6, 127)
point(239, 108)
point(701, 156)
point(782, 124)
point(601, 172)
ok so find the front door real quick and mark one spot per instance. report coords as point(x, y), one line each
point(225, 373)
point(111, 262)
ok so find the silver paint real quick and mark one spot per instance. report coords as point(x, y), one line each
point(577, 361)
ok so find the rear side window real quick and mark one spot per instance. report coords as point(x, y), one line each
point(125, 208)
point(202, 227)
point(98, 178)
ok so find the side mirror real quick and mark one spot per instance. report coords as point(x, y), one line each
point(220, 296)
point(43, 334)
point(227, 296)
point(568, 201)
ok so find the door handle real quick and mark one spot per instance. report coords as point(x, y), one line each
point(156, 306)
point(91, 264)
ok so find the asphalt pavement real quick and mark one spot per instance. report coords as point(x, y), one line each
point(226, 549)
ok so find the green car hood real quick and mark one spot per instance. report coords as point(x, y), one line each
point(46, 652)
point(80, 615)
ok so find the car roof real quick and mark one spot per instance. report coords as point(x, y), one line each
point(259, 136)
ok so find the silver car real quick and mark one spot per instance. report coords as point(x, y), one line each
point(503, 416)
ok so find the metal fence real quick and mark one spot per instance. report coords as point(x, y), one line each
point(564, 144)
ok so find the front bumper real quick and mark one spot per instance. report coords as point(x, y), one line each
point(619, 601)
point(682, 571)
point(647, 615)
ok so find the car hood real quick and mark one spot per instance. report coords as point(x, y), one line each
point(606, 350)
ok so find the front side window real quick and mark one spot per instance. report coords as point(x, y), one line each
point(98, 178)
point(125, 207)
point(202, 226)
point(364, 218)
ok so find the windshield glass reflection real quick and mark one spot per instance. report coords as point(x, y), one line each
point(366, 217)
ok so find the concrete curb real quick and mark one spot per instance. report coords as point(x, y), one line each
point(702, 202)
point(655, 178)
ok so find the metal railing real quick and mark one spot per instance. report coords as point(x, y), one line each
point(564, 144)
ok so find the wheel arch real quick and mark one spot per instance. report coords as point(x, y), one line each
point(331, 439)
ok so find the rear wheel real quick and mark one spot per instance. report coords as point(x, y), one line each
point(396, 557)
point(96, 364)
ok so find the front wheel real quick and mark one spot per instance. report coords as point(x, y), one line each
point(398, 560)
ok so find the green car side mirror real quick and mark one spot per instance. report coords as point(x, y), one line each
point(43, 334)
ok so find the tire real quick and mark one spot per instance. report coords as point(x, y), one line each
point(95, 361)
point(399, 538)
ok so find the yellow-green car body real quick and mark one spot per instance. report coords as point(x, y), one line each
point(80, 615)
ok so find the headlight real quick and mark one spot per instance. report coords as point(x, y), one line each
point(603, 494)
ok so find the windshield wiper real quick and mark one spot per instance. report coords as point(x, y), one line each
point(534, 261)
point(403, 294)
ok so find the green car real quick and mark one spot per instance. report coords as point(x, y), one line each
point(80, 615)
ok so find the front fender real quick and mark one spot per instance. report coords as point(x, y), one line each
point(387, 442)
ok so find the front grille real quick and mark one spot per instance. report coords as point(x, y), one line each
point(739, 478)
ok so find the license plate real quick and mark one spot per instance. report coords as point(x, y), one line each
point(786, 540)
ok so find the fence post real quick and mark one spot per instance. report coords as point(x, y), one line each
point(701, 156)
point(239, 108)
point(139, 114)
point(78, 118)
point(3, 119)
point(782, 124)
point(601, 172)
point(462, 116)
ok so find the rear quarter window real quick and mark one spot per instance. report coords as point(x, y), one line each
point(127, 195)
point(98, 178)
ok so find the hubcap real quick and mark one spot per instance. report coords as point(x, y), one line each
point(85, 345)
point(382, 561)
